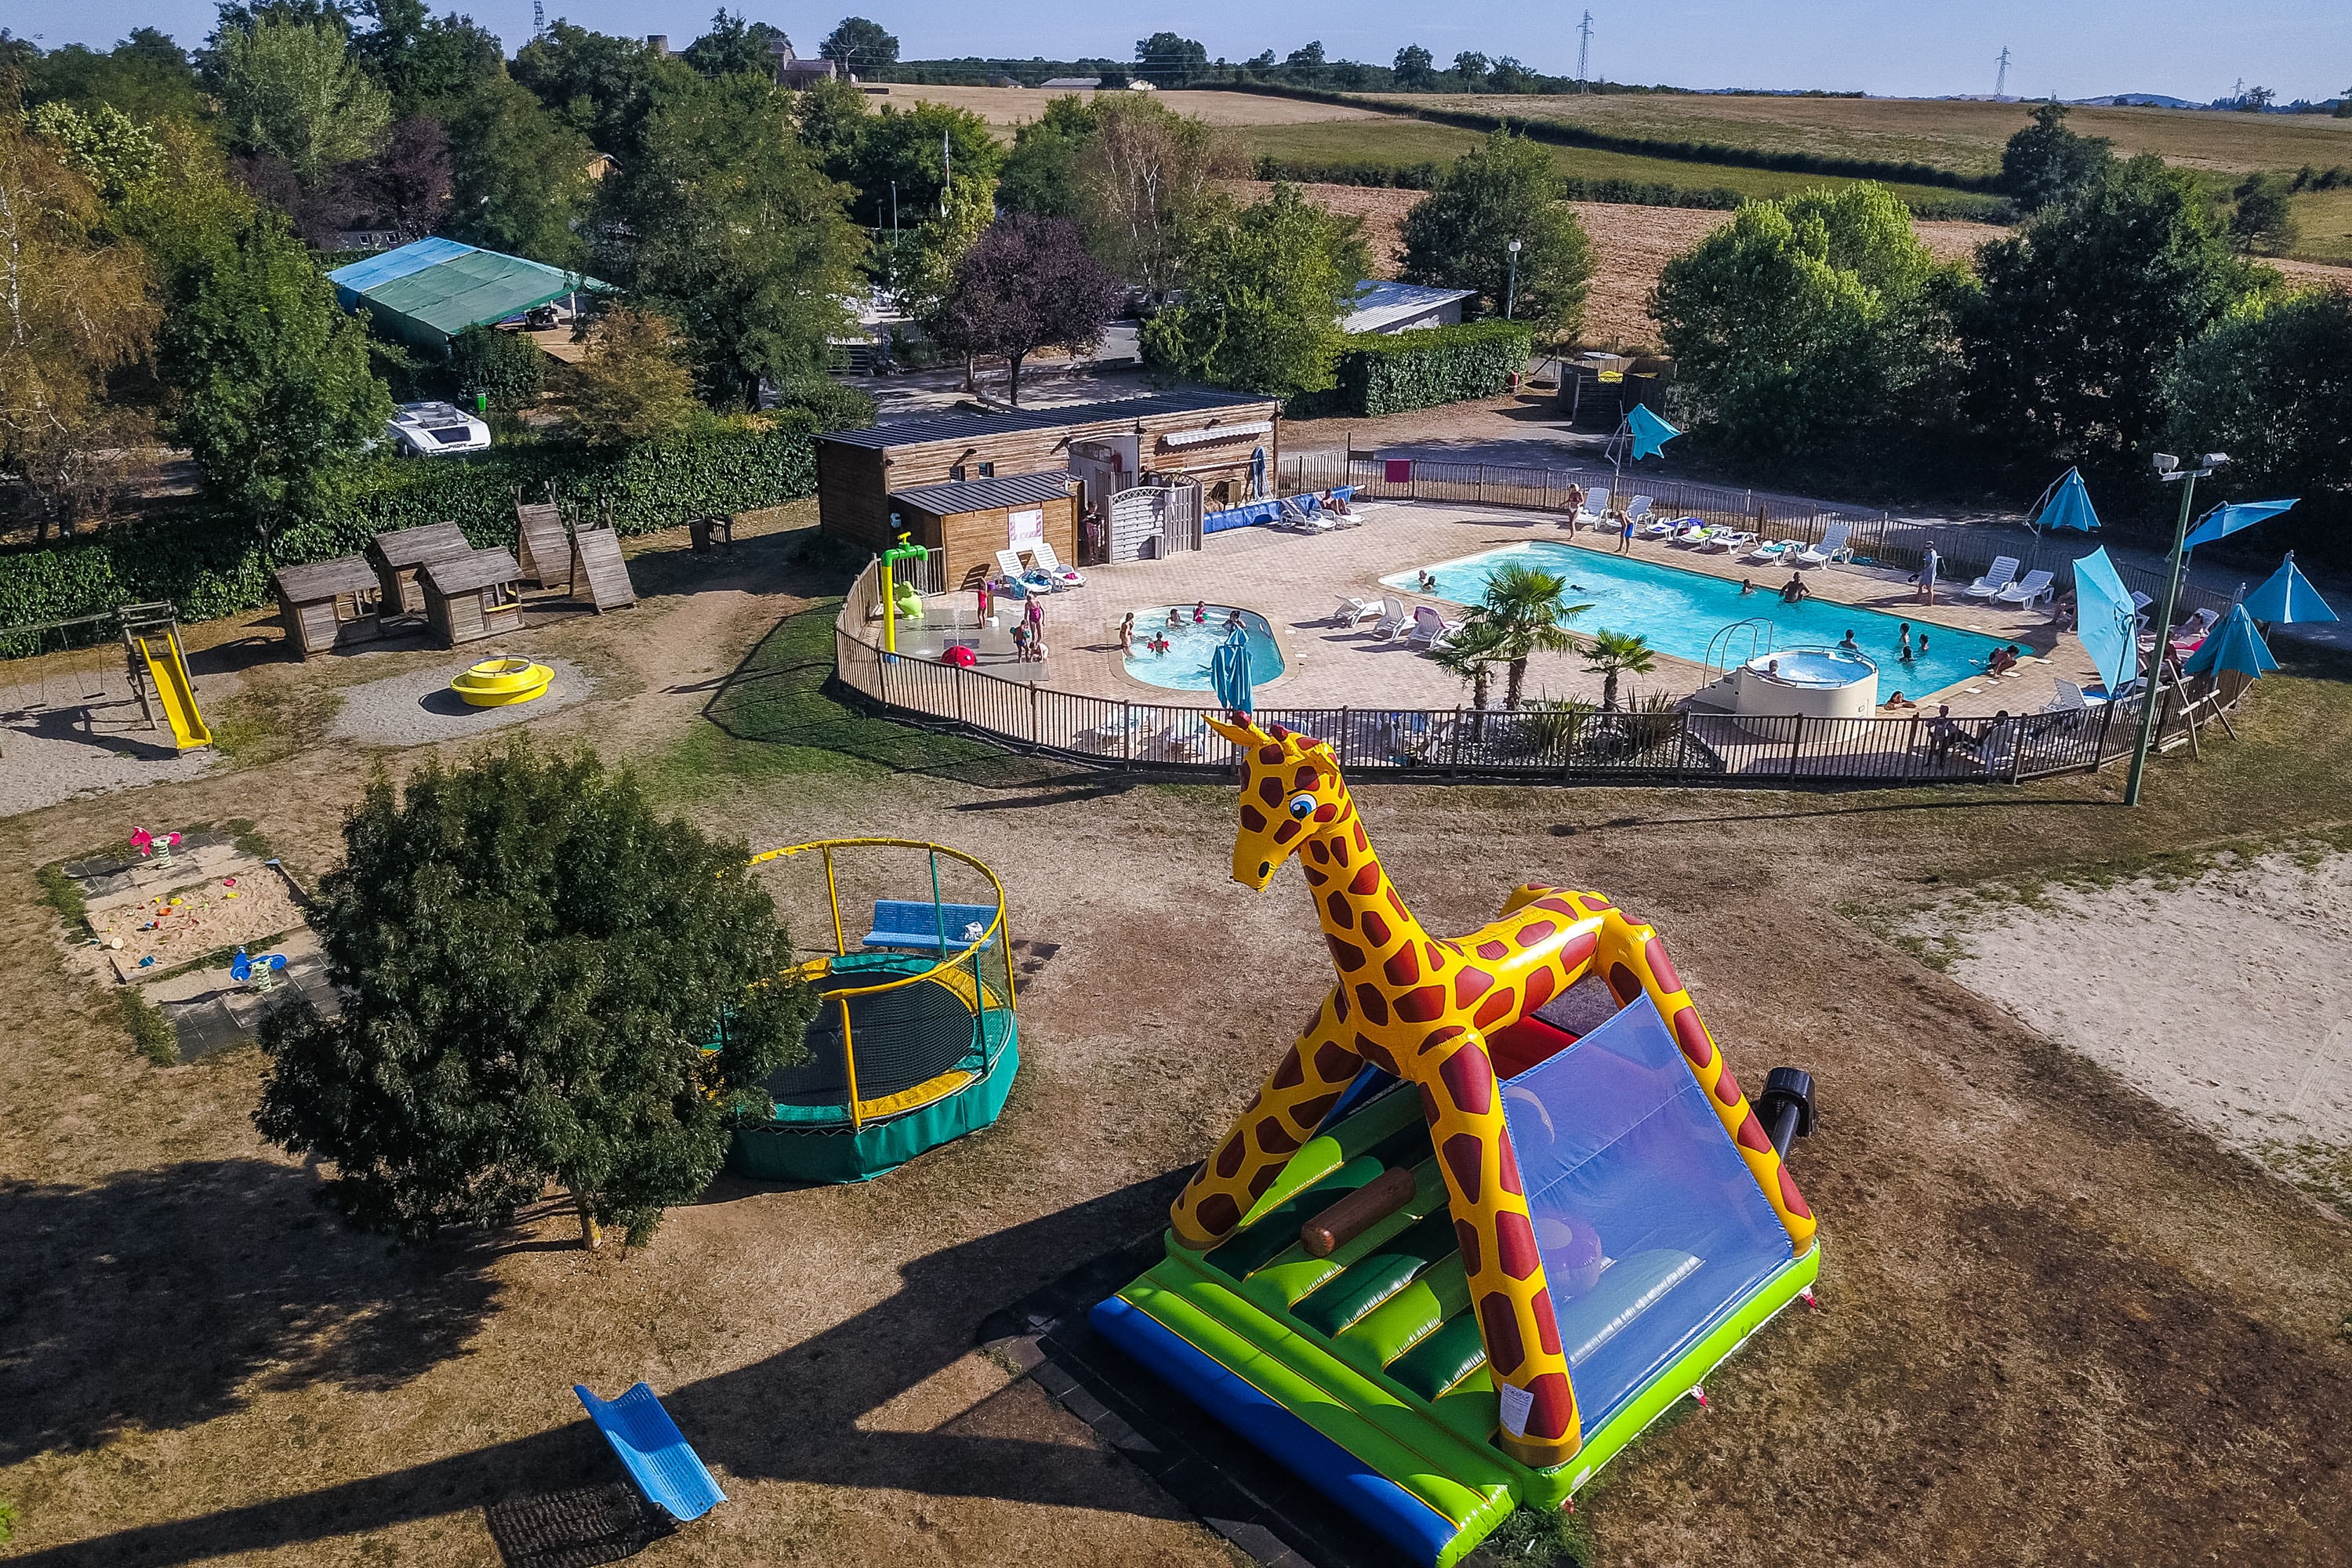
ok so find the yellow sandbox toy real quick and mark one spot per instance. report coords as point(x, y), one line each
point(501, 682)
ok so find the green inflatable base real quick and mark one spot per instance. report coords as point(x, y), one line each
point(817, 1151)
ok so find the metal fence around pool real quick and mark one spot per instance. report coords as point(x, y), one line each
point(1548, 741)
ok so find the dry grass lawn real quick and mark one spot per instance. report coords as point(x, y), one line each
point(2061, 1326)
point(1010, 106)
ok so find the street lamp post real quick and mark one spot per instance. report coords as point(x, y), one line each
point(1511, 294)
point(2168, 469)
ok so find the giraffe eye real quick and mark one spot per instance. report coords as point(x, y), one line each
point(1302, 807)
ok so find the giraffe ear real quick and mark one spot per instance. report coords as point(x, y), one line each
point(1248, 736)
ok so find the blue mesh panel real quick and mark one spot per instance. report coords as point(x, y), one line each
point(1616, 1141)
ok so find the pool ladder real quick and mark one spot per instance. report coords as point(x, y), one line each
point(1763, 636)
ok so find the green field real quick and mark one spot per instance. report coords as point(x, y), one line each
point(2324, 218)
point(1962, 136)
point(1395, 142)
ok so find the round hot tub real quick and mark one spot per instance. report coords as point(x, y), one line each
point(1823, 683)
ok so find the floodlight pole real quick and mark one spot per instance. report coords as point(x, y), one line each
point(2152, 697)
point(1511, 293)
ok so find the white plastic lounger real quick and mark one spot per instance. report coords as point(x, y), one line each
point(1690, 532)
point(1430, 628)
point(1030, 578)
point(2033, 585)
point(1831, 548)
point(2003, 572)
point(1394, 619)
point(1352, 610)
point(1639, 508)
point(1656, 528)
point(1066, 576)
point(1770, 554)
point(1728, 539)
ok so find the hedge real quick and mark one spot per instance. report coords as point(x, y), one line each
point(1388, 373)
point(211, 565)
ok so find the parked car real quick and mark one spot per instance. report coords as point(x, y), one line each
point(435, 430)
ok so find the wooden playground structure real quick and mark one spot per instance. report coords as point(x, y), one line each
point(95, 695)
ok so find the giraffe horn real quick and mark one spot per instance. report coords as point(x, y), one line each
point(1246, 735)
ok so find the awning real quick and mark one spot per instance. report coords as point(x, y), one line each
point(1216, 433)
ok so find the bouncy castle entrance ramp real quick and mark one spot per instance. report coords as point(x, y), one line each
point(1365, 1371)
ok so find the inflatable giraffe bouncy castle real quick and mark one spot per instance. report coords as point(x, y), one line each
point(1453, 1016)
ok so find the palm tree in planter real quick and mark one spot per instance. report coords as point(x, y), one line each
point(1613, 654)
point(1525, 611)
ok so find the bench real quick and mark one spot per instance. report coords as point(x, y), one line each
point(654, 1451)
point(916, 924)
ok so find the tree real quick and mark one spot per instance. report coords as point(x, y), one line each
point(1141, 182)
point(1807, 328)
point(145, 76)
point(1470, 655)
point(1524, 612)
point(725, 224)
point(2255, 100)
point(105, 146)
point(508, 369)
point(1264, 290)
point(2268, 384)
point(519, 176)
point(735, 48)
point(75, 306)
point(1305, 65)
point(1028, 284)
point(277, 399)
point(1511, 76)
point(290, 89)
point(1169, 59)
point(1414, 66)
point(631, 383)
point(406, 186)
point(1041, 172)
point(1459, 236)
point(908, 147)
point(2079, 316)
point(857, 44)
point(2263, 215)
point(2046, 163)
point(1471, 67)
point(831, 116)
point(535, 963)
point(423, 62)
point(919, 267)
point(2344, 104)
point(1613, 654)
point(602, 86)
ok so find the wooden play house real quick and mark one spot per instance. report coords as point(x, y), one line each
point(596, 563)
point(471, 596)
point(400, 556)
point(329, 604)
point(542, 546)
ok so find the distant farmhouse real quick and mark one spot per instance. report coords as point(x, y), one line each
point(795, 72)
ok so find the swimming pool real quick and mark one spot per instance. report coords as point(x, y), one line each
point(1679, 611)
point(1185, 665)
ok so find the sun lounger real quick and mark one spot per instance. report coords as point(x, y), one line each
point(1352, 610)
point(1831, 548)
point(2188, 635)
point(1771, 554)
point(1691, 531)
point(1639, 508)
point(1430, 628)
point(1732, 539)
point(1051, 564)
point(1029, 577)
point(654, 1451)
point(2003, 572)
point(1656, 528)
point(1394, 619)
point(2033, 585)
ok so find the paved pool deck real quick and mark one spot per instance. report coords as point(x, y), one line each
point(1294, 582)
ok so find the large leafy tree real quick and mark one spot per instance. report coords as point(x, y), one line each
point(291, 89)
point(276, 400)
point(423, 61)
point(859, 45)
point(2046, 163)
point(1459, 236)
point(1140, 181)
point(406, 186)
point(735, 46)
point(913, 148)
point(2269, 384)
point(1263, 290)
point(519, 176)
point(1026, 284)
point(1805, 328)
point(1040, 174)
point(532, 962)
point(2080, 315)
point(725, 225)
point(831, 115)
point(1414, 66)
point(631, 383)
point(917, 265)
point(2261, 216)
point(603, 86)
point(1170, 59)
point(144, 76)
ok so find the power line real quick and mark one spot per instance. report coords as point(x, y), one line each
point(1584, 48)
point(2001, 82)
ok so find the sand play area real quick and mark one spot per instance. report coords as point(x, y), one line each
point(2227, 997)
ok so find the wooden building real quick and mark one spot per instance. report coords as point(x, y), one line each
point(969, 520)
point(399, 555)
point(1224, 441)
point(329, 604)
point(471, 596)
point(542, 545)
point(596, 563)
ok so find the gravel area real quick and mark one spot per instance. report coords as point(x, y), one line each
point(418, 709)
point(45, 758)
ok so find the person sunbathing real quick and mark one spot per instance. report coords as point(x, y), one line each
point(1337, 504)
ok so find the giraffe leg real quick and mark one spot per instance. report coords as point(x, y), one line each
point(1282, 1115)
point(1507, 1289)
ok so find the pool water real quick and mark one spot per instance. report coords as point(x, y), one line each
point(1185, 665)
point(1679, 611)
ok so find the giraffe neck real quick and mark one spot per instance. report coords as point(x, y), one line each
point(1354, 899)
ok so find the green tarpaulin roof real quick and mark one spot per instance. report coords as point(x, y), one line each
point(441, 287)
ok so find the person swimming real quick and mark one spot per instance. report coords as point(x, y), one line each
point(1428, 582)
point(1201, 612)
point(1746, 586)
point(1847, 644)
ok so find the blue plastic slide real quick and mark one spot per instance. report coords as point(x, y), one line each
point(654, 1451)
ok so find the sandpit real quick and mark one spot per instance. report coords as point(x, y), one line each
point(2227, 998)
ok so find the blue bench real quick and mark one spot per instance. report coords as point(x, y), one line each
point(916, 924)
point(654, 1451)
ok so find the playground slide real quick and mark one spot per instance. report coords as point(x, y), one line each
point(175, 691)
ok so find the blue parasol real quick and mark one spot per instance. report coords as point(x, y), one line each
point(2104, 617)
point(2224, 520)
point(2288, 598)
point(1229, 671)
point(2232, 644)
point(2067, 504)
point(1649, 432)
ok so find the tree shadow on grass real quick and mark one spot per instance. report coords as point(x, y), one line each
point(157, 1299)
point(794, 1417)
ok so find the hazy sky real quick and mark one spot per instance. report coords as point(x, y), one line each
point(2302, 48)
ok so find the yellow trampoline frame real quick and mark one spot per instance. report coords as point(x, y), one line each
point(947, 1083)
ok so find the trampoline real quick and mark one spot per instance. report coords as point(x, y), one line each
point(913, 1042)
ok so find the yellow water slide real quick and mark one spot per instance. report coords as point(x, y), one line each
point(169, 670)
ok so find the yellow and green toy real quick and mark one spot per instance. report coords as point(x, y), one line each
point(1497, 1208)
point(899, 593)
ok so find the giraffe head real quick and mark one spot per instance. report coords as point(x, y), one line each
point(1292, 794)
